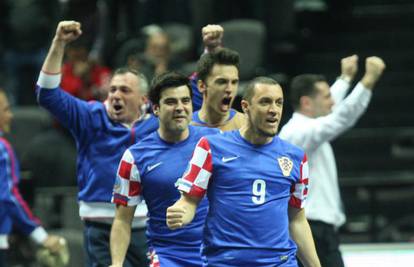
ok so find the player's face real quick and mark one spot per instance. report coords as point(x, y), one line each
point(265, 109)
point(124, 98)
point(5, 114)
point(174, 110)
point(220, 88)
point(321, 102)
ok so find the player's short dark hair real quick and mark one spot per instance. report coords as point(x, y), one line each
point(222, 56)
point(143, 82)
point(303, 85)
point(167, 80)
point(249, 89)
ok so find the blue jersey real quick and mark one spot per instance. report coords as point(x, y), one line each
point(149, 170)
point(249, 188)
point(100, 144)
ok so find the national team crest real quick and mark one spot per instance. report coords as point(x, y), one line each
point(286, 165)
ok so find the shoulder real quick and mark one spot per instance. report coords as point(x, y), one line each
point(196, 119)
point(146, 125)
point(237, 117)
point(148, 141)
point(96, 106)
point(220, 137)
point(291, 149)
point(296, 126)
point(203, 131)
point(149, 120)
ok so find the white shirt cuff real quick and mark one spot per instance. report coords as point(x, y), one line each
point(39, 235)
point(4, 244)
point(49, 81)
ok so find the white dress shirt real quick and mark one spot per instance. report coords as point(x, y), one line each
point(313, 135)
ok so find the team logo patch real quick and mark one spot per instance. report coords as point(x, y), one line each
point(286, 165)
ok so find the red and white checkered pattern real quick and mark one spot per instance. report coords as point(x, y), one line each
point(300, 190)
point(195, 180)
point(127, 188)
point(154, 260)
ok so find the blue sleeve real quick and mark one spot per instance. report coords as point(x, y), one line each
point(13, 205)
point(197, 96)
point(73, 113)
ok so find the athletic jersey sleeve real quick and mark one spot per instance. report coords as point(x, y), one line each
point(197, 176)
point(299, 190)
point(127, 188)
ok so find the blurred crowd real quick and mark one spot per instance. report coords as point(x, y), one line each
point(150, 35)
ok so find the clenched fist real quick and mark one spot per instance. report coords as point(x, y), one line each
point(68, 31)
point(349, 67)
point(212, 35)
point(374, 67)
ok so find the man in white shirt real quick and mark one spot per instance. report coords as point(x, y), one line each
point(320, 115)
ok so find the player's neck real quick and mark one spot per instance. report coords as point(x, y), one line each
point(254, 137)
point(211, 117)
point(173, 136)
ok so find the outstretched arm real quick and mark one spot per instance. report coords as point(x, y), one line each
point(344, 116)
point(302, 235)
point(66, 32)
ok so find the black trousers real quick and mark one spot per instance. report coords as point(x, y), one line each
point(96, 246)
point(3, 258)
point(327, 244)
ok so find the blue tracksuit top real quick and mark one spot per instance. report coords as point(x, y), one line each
point(13, 209)
point(100, 141)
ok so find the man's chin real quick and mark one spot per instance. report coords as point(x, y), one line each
point(269, 133)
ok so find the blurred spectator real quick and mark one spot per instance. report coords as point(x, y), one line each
point(323, 113)
point(27, 26)
point(157, 57)
point(14, 212)
point(84, 77)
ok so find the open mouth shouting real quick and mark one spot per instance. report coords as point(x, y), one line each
point(117, 108)
point(272, 121)
point(225, 104)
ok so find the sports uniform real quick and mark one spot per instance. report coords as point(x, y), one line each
point(249, 188)
point(149, 170)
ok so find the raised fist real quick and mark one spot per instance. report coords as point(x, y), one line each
point(349, 67)
point(212, 35)
point(68, 31)
point(374, 67)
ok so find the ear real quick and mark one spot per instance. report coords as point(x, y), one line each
point(155, 109)
point(245, 106)
point(305, 102)
point(201, 86)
